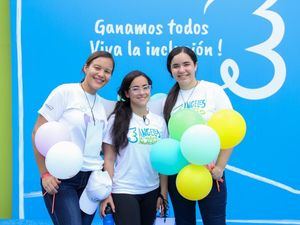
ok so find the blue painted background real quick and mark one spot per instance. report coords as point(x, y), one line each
point(56, 39)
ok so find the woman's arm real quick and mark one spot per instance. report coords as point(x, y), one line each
point(109, 158)
point(49, 182)
point(164, 185)
point(109, 161)
point(223, 157)
point(164, 193)
point(39, 158)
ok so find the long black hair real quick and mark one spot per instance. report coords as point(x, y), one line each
point(173, 93)
point(96, 55)
point(123, 111)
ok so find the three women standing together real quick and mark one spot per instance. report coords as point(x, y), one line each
point(138, 190)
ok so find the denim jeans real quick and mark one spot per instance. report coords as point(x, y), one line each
point(212, 207)
point(66, 203)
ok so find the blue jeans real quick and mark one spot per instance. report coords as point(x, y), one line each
point(212, 207)
point(66, 203)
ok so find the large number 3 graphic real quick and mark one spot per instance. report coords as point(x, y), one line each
point(132, 135)
point(265, 49)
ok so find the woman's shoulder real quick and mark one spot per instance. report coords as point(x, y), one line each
point(209, 84)
point(70, 86)
point(67, 87)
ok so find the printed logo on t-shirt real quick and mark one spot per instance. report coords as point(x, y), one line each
point(49, 107)
point(145, 135)
point(197, 105)
point(200, 103)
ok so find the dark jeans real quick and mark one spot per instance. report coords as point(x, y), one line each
point(135, 209)
point(66, 203)
point(212, 207)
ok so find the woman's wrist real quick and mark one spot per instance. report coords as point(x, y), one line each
point(218, 167)
point(163, 195)
point(45, 174)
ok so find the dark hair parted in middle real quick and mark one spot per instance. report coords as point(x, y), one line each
point(123, 111)
point(173, 93)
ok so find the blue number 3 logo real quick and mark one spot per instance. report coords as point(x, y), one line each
point(132, 135)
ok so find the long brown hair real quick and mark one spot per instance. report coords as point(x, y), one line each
point(123, 111)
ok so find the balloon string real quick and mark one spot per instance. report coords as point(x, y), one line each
point(210, 167)
point(218, 185)
point(53, 201)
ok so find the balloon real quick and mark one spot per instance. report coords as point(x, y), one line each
point(200, 144)
point(194, 182)
point(49, 134)
point(64, 160)
point(166, 157)
point(181, 120)
point(158, 96)
point(230, 126)
point(156, 103)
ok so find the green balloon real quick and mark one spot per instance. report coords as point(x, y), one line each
point(181, 120)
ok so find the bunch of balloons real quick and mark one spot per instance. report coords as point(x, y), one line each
point(194, 143)
point(63, 158)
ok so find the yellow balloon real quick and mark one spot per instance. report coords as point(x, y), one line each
point(230, 126)
point(194, 182)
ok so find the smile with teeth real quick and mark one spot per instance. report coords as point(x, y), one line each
point(142, 98)
point(183, 77)
point(99, 79)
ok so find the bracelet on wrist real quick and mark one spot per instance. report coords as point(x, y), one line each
point(46, 174)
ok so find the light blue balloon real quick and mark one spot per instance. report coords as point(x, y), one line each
point(158, 96)
point(166, 157)
point(200, 144)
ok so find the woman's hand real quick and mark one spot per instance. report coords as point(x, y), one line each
point(161, 204)
point(50, 184)
point(217, 172)
point(104, 203)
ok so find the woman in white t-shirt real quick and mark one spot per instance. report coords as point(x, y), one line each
point(79, 108)
point(206, 98)
point(131, 131)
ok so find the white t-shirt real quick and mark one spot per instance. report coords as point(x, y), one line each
point(68, 105)
point(133, 173)
point(206, 98)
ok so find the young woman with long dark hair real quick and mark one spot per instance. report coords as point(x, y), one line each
point(132, 129)
point(206, 98)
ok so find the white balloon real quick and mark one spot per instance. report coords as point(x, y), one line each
point(49, 134)
point(64, 160)
point(200, 144)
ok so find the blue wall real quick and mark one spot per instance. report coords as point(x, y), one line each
point(57, 36)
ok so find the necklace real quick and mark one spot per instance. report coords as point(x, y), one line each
point(90, 106)
point(146, 120)
point(181, 95)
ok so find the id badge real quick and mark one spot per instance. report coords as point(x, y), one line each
point(93, 139)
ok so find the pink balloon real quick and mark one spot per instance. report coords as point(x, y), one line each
point(49, 134)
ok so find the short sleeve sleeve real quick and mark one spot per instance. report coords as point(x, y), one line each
point(222, 100)
point(54, 105)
